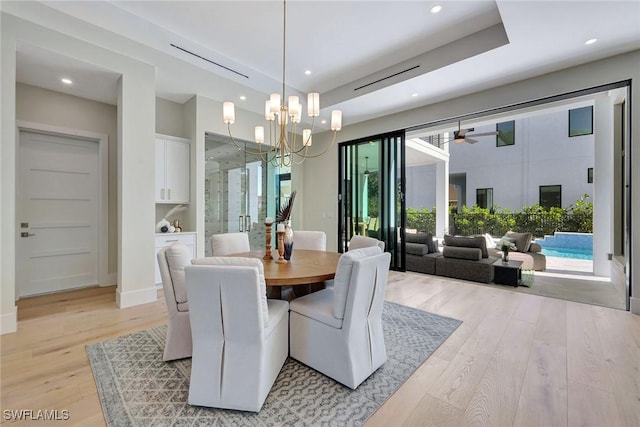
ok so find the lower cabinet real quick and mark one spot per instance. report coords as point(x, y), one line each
point(167, 239)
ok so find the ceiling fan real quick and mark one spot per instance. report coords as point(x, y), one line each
point(463, 135)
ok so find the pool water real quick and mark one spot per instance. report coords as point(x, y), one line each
point(567, 245)
point(568, 253)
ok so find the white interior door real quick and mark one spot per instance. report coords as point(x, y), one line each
point(58, 192)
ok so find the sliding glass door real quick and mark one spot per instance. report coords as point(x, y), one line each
point(371, 193)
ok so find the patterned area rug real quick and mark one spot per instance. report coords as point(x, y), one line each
point(137, 388)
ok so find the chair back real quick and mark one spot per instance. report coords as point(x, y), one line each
point(309, 240)
point(363, 309)
point(226, 304)
point(171, 261)
point(229, 243)
point(359, 242)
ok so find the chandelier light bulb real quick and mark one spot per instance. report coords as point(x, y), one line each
point(294, 106)
point(259, 134)
point(313, 104)
point(306, 137)
point(275, 102)
point(228, 113)
point(267, 111)
point(336, 120)
point(293, 103)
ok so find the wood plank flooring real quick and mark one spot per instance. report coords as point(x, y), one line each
point(517, 360)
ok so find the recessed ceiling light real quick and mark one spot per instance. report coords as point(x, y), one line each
point(414, 94)
point(242, 97)
point(591, 41)
point(66, 81)
point(324, 122)
point(308, 72)
point(436, 9)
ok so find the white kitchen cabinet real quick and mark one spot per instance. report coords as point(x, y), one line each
point(173, 169)
point(167, 239)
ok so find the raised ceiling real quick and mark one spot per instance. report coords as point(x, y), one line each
point(368, 58)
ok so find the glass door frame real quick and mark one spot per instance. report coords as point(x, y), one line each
point(391, 181)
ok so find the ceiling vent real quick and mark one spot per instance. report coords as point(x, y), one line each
point(388, 77)
point(209, 60)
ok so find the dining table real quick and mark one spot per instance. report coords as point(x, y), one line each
point(306, 270)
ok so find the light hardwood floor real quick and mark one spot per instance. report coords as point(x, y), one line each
point(517, 359)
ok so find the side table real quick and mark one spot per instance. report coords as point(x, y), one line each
point(507, 273)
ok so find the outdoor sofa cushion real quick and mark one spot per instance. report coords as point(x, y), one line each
point(468, 242)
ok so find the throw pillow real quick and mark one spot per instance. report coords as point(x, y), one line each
point(489, 240)
point(522, 240)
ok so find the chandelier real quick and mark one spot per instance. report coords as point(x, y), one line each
point(284, 145)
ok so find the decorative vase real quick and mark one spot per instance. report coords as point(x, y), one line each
point(288, 241)
point(505, 255)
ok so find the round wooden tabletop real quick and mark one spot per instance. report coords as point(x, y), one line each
point(305, 267)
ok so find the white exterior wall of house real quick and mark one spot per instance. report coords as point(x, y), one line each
point(543, 154)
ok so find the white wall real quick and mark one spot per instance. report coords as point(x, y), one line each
point(614, 69)
point(135, 162)
point(170, 118)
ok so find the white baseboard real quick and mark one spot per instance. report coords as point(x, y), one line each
point(142, 296)
point(9, 322)
point(635, 305)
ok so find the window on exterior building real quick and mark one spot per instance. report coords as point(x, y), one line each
point(506, 133)
point(581, 121)
point(551, 196)
point(484, 198)
point(590, 175)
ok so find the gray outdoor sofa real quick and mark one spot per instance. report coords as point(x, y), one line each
point(466, 257)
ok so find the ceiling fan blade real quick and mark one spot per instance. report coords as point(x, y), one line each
point(461, 133)
point(470, 141)
point(483, 134)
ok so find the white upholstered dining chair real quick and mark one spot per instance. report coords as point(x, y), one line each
point(171, 261)
point(239, 337)
point(359, 242)
point(229, 243)
point(309, 240)
point(338, 331)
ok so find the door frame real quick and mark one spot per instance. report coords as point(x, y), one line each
point(392, 169)
point(104, 278)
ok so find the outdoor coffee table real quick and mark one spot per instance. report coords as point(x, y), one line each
point(507, 273)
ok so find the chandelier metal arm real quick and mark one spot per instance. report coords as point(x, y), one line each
point(247, 150)
point(283, 147)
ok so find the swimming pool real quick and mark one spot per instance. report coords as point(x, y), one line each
point(568, 253)
point(568, 245)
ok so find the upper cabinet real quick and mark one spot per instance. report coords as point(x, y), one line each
point(172, 169)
